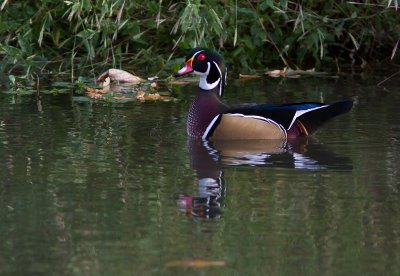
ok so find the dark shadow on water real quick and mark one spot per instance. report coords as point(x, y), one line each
point(209, 159)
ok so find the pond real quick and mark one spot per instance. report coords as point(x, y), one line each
point(96, 188)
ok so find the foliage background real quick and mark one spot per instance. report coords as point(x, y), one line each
point(150, 35)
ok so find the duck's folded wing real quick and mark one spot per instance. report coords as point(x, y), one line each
point(313, 119)
point(311, 115)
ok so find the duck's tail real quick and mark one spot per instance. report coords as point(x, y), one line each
point(314, 118)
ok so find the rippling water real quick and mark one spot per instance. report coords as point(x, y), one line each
point(117, 189)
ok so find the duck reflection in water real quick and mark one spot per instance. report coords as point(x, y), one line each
point(209, 158)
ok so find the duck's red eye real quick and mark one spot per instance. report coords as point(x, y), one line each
point(201, 57)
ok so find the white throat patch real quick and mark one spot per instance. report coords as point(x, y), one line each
point(203, 84)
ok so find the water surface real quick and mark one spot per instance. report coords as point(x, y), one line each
point(92, 188)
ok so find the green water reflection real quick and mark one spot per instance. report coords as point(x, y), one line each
point(116, 189)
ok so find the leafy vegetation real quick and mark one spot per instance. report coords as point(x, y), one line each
point(86, 34)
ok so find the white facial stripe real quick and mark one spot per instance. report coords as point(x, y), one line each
point(219, 70)
point(203, 84)
point(197, 53)
point(220, 77)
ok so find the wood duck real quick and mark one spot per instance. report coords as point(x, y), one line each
point(211, 119)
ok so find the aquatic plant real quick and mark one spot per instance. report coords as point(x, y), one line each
point(88, 34)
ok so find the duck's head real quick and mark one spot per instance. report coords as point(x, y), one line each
point(209, 65)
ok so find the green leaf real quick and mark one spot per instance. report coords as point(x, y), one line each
point(12, 51)
point(40, 39)
point(214, 14)
point(355, 43)
point(12, 79)
point(86, 34)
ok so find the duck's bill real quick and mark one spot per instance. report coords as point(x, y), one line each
point(187, 69)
